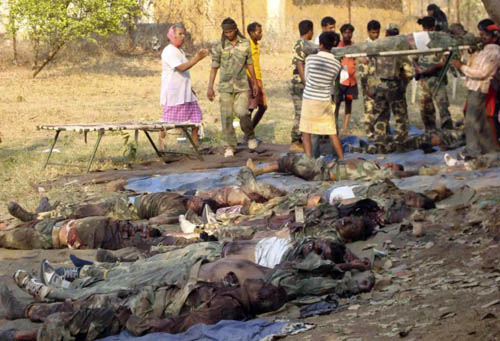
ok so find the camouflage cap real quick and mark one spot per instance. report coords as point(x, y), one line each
point(393, 27)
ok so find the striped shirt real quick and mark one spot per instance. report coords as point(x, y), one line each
point(321, 71)
point(481, 68)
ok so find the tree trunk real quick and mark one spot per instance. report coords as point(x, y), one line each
point(48, 59)
point(243, 28)
point(349, 10)
point(493, 9)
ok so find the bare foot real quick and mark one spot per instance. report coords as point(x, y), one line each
point(250, 164)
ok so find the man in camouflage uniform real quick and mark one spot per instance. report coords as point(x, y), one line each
point(368, 80)
point(233, 56)
point(428, 69)
point(311, 169)
point(302, 48)
point(390, 96)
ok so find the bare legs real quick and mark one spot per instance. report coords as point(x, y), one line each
point(337, 145)
point(269, 168)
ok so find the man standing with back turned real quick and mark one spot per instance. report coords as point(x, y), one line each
point(233, 56)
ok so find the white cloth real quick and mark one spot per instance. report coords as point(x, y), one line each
point(176, 86)
point(422, 40)
point(316, 40)
point(341, 193)
point(269, 251)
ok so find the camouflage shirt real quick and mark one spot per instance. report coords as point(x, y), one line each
point(301, 50)
point(232, 61)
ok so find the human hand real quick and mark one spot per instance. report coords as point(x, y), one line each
point(211, 94)
point(255, 89)
point(456, 63)
point(202, 53)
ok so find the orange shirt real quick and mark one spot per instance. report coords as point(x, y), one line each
point(350, 65)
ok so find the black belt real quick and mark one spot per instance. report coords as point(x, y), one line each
point(389, 79)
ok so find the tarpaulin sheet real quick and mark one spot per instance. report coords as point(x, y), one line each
point(254, 330)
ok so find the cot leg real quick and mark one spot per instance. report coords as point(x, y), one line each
point(153, 144)
point(195, 147)
point(51, 149)
point(99, 137)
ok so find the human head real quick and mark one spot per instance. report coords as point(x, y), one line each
point(432, 10)
point(373, 29)
point(393, 166)
point(263, 297)
point(392, 30)
point(326, 249)
point(328, 24)
point(347, 31)
point(489, 32)
point(457, 29)
point(306, 29)
point(428, 23)
point(255, 31)
point(229, 29)
point(328, 40)
point(195, 204)
point(176, 34)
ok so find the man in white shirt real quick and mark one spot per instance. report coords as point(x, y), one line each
point(327, 25)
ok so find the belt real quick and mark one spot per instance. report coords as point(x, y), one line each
point(389, 79)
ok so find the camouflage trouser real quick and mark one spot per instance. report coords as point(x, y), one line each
point(230, 104)
point(297, 90)
point(369, 116)
point(426, 105)
point(389, 97)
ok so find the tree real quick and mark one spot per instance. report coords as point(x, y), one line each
point(493, 9)
point(51, 24)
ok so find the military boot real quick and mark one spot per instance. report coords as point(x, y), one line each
point(20, 213)
point(13, 308)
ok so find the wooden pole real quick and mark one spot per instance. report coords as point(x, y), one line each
point(243, 28)
point(457, 2)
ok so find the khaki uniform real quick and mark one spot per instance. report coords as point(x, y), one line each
point(233, 87)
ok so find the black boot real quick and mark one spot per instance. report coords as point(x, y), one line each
point(44, 206)
point(13, 308)
point(20, 213)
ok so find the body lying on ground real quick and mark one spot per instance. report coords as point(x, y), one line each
point(445, 139)
point(171, 292)
point(312, 169)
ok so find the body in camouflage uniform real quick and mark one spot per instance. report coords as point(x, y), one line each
point(450, 139)
point(233, 87)
point(390, 96)
point(426, 86)
point(301, 50)
point(311, 169)
point(407, 42)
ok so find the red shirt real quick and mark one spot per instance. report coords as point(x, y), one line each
point(350, 64)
